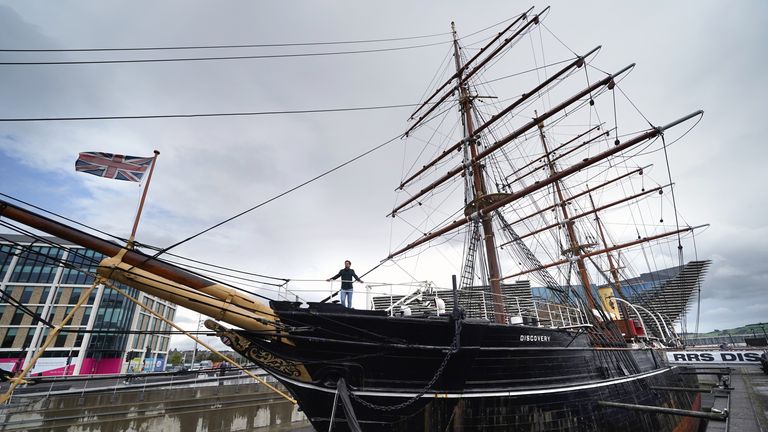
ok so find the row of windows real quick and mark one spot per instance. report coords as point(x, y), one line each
point(27, 295)
point(15, 354)
point(38, 264)
point(142, 341)
point(147, 322)
point(11, 315)
point(22, 338)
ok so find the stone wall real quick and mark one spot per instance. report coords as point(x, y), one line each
point(208, 408)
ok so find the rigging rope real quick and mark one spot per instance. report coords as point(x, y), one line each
point(196, 59)
point(231, 114)
point(674, 202)
point(280, 195)
point(204, 47)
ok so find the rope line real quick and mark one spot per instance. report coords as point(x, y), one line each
point(280, 195)
point(197, 115)
point(204, 47)
point(200, 59)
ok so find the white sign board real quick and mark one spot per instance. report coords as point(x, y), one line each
point(9, 366)
point(742, 358)
point(45, 364)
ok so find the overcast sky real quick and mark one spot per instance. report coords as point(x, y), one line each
point(690, 54)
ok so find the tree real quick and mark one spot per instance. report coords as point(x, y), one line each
point(175, 358)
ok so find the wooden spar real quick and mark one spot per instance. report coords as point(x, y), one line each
point(650, 134)
point(498, 144)
point(573, 240)
point(570, 141)
point(580, 194)
point(586, 213)
point(494, 271)
point(462, 80)
point(548, 155)
point(156, 277)
point(457, 74)
point(576, 63)
point(579, 62)
point(653, 133)
point(610, 249)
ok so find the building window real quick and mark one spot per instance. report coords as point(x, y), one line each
point(74, 296)
point(86, 316)
point(44, 296)
point(85, 261)
point(140, 344)
point(28, 338)
point(10, 335)
point(18, 315)
point(6, 254)
point(26, 295)
point(38, 310)
point(37, 265)
point(61, 340)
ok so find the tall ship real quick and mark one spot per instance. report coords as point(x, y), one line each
point(546, 193)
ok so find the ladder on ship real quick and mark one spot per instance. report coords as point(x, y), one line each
point(473, 240)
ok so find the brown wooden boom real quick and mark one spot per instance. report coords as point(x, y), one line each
point(580, 194)
point(569, 219)
point(156, 277)
point(605, 250)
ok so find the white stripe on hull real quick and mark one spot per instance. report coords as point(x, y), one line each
point(503, 393)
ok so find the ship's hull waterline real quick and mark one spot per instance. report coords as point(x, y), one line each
point(496, 377)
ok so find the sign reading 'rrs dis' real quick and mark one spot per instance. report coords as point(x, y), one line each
point(715, 357)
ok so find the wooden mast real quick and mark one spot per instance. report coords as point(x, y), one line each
point(575, 247)
point(155, 277)
point(479, 188)
point(613, 268)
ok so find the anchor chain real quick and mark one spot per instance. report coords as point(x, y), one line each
point(453, 348)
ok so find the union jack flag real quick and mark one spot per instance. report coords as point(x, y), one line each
point(118, 167)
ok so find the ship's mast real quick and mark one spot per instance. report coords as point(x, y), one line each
point(575, 248)
point(613, 267)
point(475, 171)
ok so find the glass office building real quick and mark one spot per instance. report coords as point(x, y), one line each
point(47, 279)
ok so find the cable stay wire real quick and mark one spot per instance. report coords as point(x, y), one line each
point(280, 195)
point(198, 59)
point(95, 262)
point(226, 46)
point(193, 115)
point(150, 247)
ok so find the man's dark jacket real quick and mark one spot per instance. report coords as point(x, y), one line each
point(346, 278)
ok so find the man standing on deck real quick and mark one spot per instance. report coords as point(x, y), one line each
point(346, 275)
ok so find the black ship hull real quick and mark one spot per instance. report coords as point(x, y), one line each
point(437, 374)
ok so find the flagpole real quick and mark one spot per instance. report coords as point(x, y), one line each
point(141, 203)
